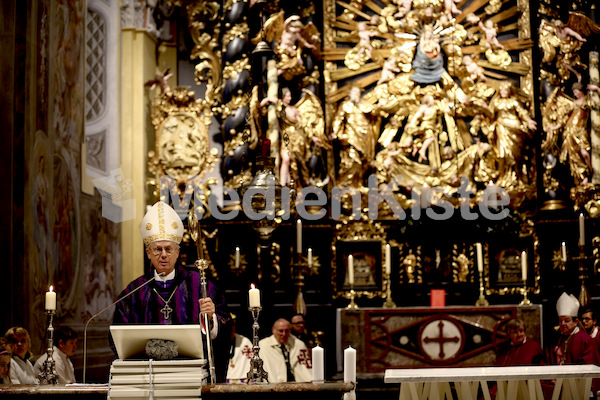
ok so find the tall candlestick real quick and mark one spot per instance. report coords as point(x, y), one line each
point(351, 270)
point(350, 364)
point(388, 259)
point(50, 300)
point(479, 257)
point(581, 230)
point(524, 265)
point(237, 257)
point(318, 364)
point(563, 250)
point(299, 236)
point(310, 260)
point(254, 297)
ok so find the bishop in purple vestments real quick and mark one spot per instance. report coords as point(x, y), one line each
point(175, 294)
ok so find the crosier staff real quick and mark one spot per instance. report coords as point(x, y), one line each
point(202, 265)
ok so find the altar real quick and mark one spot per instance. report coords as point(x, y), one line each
point(316, 391)
point(420, 337)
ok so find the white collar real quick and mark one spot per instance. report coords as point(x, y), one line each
point(170, 275)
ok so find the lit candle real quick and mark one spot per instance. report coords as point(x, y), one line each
point(310, 257)
point(350, 365)
point(237, 257)
point(524, 265)
point(479, 257)
point(299, 236)
point(351, 270)
point(491, 196)
point(50, 299)
point(581, 230)
point(388, 259)
point(254, 297)
point(563, 250)
point(318, 364)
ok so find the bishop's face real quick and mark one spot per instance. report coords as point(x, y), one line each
point(163, 255)
point(566, 324)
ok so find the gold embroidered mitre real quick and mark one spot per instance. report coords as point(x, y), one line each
point(161, 222)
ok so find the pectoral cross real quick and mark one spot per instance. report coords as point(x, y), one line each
point(166, 310)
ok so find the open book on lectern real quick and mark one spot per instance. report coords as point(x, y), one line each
point(130, 340)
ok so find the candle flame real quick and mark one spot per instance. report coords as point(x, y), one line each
point(51, 287)
point(252, 286)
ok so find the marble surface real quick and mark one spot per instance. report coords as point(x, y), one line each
point(232, 388)
point(491, 373)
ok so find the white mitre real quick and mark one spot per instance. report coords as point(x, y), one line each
point(567, 305)
point(161, 222)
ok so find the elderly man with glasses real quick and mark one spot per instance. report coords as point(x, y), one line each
point(175, 296)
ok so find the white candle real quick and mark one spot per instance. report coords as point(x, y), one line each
point(237, 257)
point(350, 365)
point(318, 364)
point(388, 259)
point(299, 236)
point(310, 260)
point(563, 250)
point(479, 257)
point(50, 299)
point(254, 297)
point(524, 265)
point(581, 230)
point(351, 270)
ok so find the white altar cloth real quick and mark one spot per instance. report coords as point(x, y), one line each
point(571, 382)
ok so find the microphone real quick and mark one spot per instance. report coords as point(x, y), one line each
point(104, 309)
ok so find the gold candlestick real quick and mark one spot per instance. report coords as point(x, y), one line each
point(352, 305)
point(389, 303)
point(481, 301)
point(525, 301)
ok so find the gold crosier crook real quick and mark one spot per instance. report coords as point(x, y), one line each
point(202, 265)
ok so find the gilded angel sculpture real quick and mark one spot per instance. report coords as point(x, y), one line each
point(363, 51)
point(511, 125)
point(561, 43)
point(572, 122)
point(291, 36)
point(356, 127)
point(302, 129)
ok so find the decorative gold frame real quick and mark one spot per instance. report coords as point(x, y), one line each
point(366, 237)
point(191, 143)
point(527, 240)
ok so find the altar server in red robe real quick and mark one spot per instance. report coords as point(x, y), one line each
point(520, 350)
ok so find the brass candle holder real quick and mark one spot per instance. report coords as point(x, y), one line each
point(525, 301)
point(481, 301)
point(389, 303)
point(352, 305)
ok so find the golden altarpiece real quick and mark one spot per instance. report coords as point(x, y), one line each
point(463, 134)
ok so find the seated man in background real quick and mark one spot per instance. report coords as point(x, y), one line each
point(589, 322)
point(520, 350)
point(299, 330)
point(65, 344)
point(286, 359)
point(21, 369)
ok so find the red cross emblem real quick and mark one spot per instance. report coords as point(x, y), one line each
point(248, 352)
point(304, 358)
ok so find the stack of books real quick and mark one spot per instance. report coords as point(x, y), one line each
point(172, 379)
